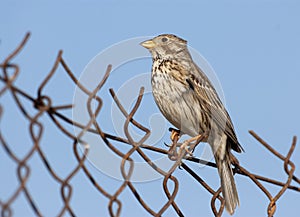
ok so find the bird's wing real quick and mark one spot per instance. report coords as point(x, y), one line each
point(208, 96)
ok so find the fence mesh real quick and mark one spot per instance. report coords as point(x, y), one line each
point(42, 104)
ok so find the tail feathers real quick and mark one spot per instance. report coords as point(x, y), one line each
point(229, 190)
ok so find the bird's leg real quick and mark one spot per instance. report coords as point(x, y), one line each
point(175, 135)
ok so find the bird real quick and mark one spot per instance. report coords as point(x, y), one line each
point(188, 100)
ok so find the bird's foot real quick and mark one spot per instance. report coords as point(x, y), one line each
point(189, 145)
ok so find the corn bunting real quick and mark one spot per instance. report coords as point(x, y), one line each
point(187, 98)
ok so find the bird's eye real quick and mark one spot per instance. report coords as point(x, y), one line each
point(164, 39)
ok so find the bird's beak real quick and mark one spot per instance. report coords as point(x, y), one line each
point(148, 44)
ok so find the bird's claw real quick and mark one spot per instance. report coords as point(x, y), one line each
point(190, 152)
point(167, 145)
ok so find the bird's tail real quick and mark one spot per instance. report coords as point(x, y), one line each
point(229, 190)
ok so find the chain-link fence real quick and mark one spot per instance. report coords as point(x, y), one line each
point(42, 104)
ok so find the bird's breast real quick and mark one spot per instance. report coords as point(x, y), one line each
point(176, 101)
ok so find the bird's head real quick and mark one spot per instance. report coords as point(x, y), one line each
point(165, 46)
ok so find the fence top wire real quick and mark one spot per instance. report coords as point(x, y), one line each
point(43, 105)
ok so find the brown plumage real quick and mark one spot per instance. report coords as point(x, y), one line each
point(186, 97)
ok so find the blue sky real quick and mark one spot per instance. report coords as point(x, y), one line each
point(253, 48)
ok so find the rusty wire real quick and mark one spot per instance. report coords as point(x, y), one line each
point(43, 105)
